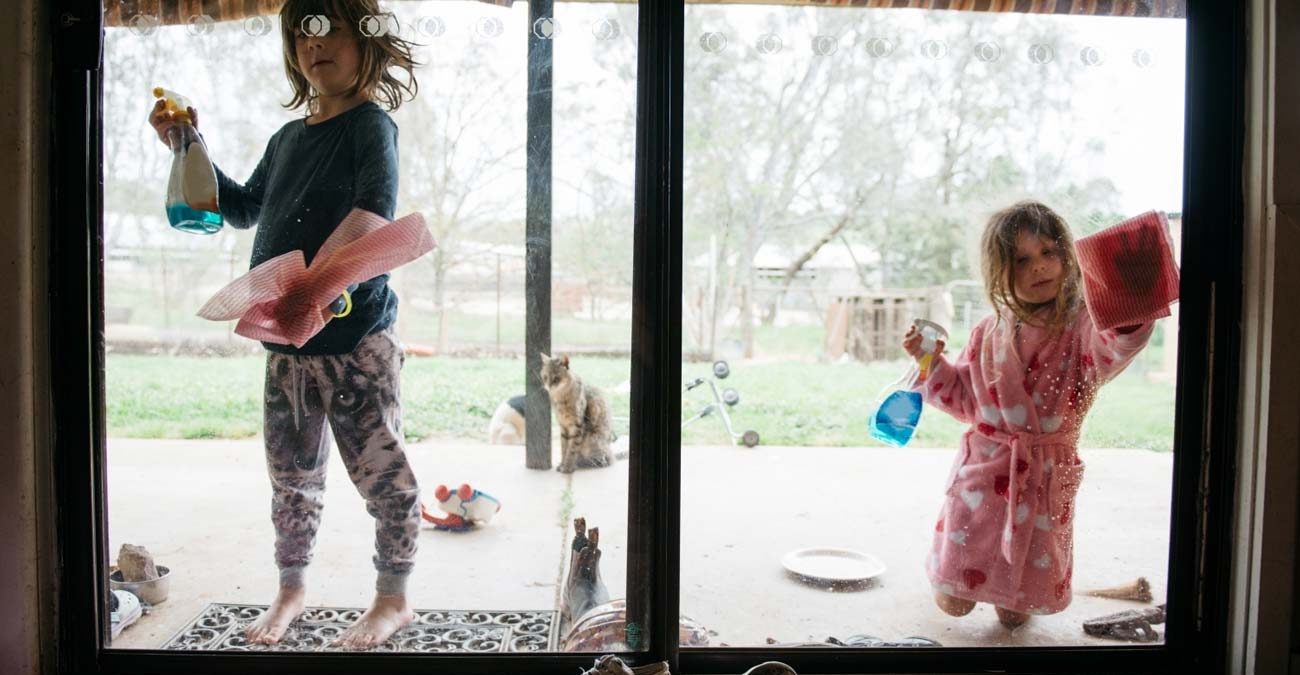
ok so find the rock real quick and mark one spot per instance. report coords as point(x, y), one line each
point(136, 564)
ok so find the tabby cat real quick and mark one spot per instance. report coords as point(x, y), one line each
point(583, 416)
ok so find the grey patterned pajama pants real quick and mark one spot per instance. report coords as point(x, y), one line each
point(357, 395)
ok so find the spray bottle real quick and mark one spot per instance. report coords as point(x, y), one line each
point(192, 186)
point(898, 407)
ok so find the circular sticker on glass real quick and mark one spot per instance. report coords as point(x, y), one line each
point(431, 26)
point(988, 52)
point(489, 27)
point(606, 29)
point(143, 24)
point(1041, 54)
point(1091, 56)
point(825, 45)
point(371, 26)
point(880, 47)
point(713, 42)
point(768, 43)
point(546, 28)
point(315, 25)
point(257, 26)
point(934, 49)
point(199, 24)
point(1142, 58)
point(379, 25)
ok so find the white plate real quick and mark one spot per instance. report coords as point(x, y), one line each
point(838, 565)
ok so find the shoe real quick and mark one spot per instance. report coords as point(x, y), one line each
point(124, 610)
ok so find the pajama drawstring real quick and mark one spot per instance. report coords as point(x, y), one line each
point(297, 387)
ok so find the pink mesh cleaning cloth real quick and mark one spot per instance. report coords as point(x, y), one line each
point(285, 301)
point(1129, 273)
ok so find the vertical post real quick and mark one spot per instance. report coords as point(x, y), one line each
point(537, 249)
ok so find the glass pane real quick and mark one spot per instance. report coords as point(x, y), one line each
point(386, 452)
point(842, 166)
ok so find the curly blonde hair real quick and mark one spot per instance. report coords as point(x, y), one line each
point(998, 260)
point(379, 54)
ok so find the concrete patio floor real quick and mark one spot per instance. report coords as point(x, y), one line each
point(201, 508)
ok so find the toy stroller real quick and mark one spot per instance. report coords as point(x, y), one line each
point(722, 400)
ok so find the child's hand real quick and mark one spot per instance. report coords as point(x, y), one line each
point(912, 344)
point(161, 120)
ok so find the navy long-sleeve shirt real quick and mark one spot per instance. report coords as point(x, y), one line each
point(308, 180)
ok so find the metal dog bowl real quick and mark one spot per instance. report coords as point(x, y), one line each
point(153, 591)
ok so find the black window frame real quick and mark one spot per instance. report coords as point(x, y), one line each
point(1205, 417)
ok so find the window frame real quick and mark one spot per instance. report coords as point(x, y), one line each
point(1205, 418)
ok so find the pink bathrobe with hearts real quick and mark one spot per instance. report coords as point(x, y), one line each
point(1005, 533)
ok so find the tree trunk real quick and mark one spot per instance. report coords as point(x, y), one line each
point(747, 293)
point(166, 289)
point(747, 313)
point(793, 270)
point(440, 300)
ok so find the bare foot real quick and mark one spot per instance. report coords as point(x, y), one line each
point(387, 615)
point(270, 626)
point(1012, 620)
point(953, 606)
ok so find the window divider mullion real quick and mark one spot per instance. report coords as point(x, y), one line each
point(74, 310)
point(655, 432)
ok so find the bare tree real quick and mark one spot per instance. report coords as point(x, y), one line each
point(906, 120)
point(462, 151)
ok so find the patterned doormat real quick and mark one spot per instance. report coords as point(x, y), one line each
point(220, 627)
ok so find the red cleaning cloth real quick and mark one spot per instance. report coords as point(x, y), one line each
point(285, 301)
point(1129, 273)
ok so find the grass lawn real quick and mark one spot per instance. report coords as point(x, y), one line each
point(476, 330)
point(787, 402)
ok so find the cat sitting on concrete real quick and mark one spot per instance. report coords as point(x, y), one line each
point(582, 413)
point(507, 426)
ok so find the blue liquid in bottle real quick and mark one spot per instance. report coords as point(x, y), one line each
point(895, 420)
point(193, 183)
point(186, 219)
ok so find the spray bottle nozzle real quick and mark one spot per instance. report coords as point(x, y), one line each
point(177, 105)
point(931, 333)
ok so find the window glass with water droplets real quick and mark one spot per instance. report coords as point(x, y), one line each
point(930, 325)
point(368, 325)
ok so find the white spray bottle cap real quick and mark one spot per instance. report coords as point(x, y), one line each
point(931, 332)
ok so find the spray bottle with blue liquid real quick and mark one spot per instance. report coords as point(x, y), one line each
point(898, 407)
point(192, 186)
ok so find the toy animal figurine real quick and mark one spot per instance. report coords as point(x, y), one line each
point(466, 508)
point(589, 620)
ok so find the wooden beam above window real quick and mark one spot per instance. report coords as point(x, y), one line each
point(172, 12)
